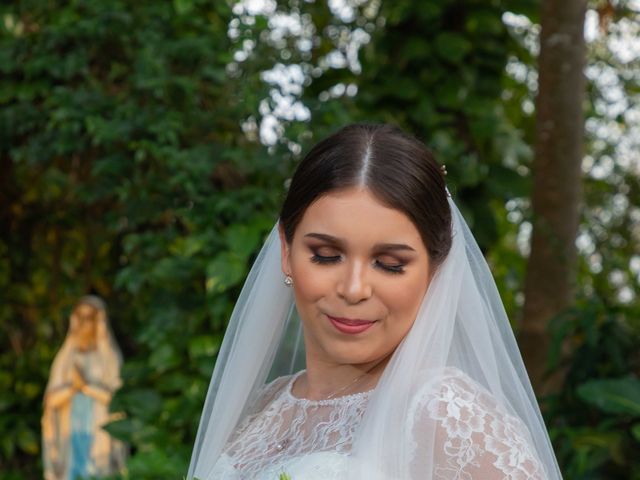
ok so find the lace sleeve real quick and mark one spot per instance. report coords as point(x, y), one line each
point(475, 437)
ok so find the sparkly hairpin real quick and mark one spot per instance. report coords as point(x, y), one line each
point(443, 170)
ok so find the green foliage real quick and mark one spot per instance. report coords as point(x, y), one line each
point(615, 396)
point(125, 173)
point(594, 419)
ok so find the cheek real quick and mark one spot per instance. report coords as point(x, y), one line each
point(403, 299)
point(310, 283)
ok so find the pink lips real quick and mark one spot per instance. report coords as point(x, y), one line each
point(350, 326)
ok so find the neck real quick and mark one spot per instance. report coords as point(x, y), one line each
point(85, 346)
point(324, 380)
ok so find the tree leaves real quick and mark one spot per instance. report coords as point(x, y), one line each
point(452, 47)
point(617, 396)
point(112, 118)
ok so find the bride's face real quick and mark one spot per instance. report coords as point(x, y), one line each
point(360, 271)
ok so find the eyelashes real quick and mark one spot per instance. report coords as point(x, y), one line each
point(325, 260)
point(329, 260)
point(399, 268)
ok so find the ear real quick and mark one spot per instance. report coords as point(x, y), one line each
point(285, 251)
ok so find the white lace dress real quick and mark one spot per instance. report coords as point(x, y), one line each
point(311, 440)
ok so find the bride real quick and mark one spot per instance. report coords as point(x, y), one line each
point(369, 340)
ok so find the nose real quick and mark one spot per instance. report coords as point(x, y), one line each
point(354, 286)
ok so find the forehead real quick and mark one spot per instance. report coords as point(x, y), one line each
point(357, 216)
point(85, 310)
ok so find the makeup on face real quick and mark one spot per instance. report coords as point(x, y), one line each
point(327, 249)
point(360, 270)
point(350, 326)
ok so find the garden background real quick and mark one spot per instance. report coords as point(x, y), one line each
point(145, 147)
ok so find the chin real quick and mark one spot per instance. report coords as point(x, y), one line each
point(353, 355)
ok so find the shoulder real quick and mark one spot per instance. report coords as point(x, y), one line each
point(461, 404)
point(476, 432)
point(261, 407)
point(271, 391)
point(451, 385)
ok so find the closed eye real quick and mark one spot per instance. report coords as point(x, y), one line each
point(327, 260)
point(323, 259)
point(397, 268)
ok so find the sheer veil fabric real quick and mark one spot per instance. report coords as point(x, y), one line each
point(461, 342)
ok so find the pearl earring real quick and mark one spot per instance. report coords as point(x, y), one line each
point(288, 281)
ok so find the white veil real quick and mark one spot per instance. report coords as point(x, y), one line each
point(461, 324)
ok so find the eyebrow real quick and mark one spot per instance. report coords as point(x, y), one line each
point(378, 246)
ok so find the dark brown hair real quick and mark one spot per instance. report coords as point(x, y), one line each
point(397, 168)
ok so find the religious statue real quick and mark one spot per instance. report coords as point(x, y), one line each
point(83, 378)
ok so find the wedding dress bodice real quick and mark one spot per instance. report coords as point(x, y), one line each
point(475, 438)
